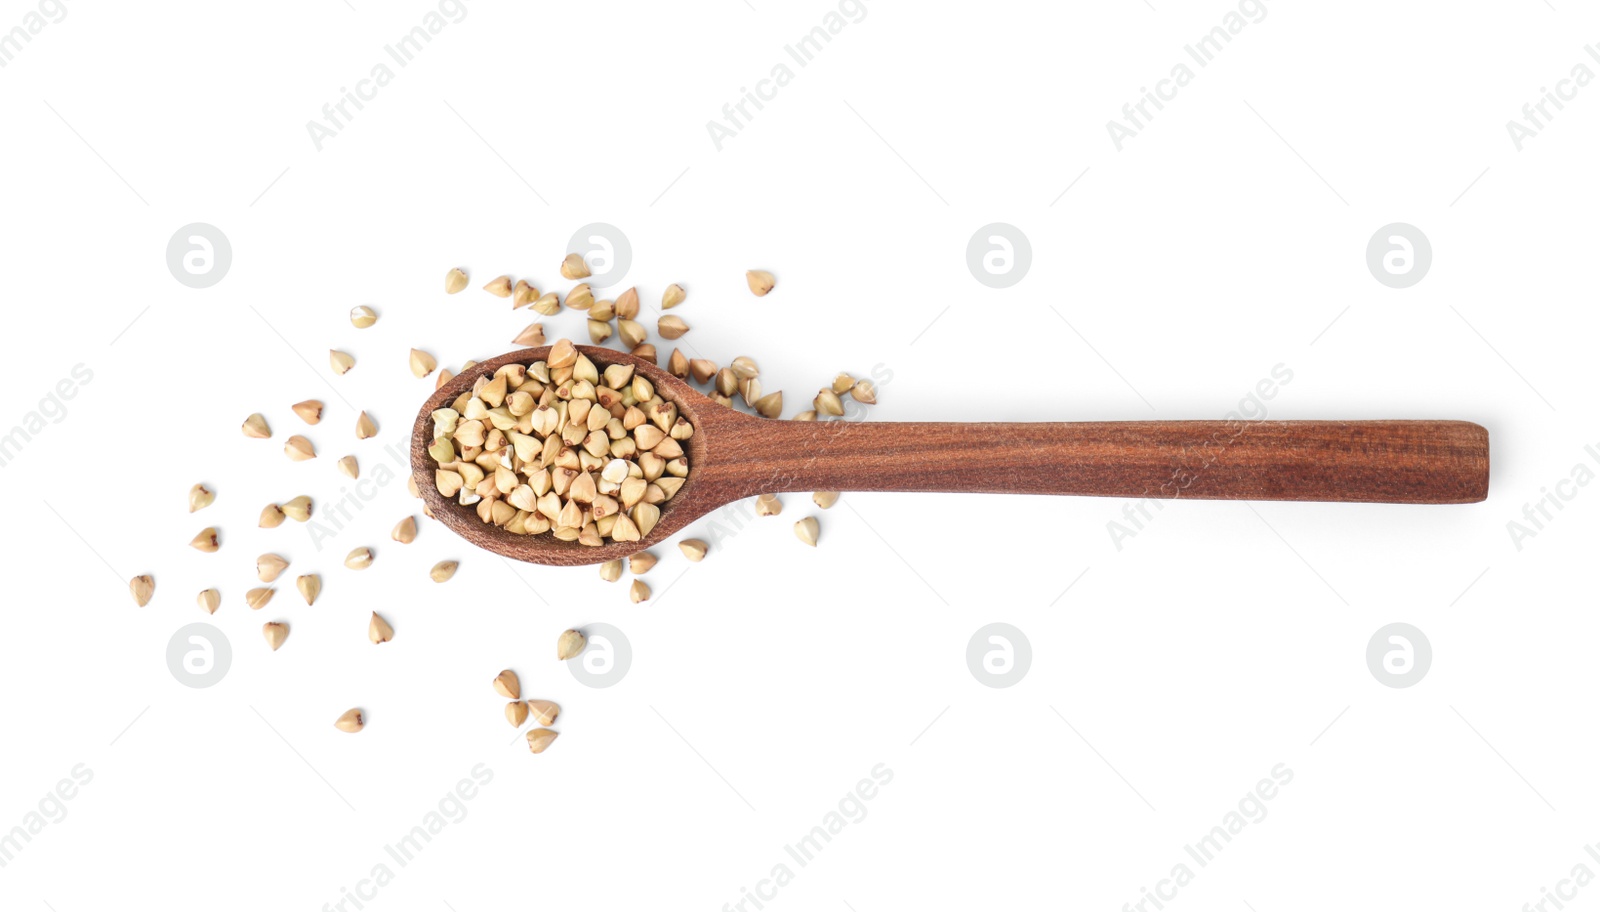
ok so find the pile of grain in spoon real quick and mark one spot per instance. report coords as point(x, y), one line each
point(556, 446)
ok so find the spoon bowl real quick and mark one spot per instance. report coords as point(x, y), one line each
point(690, 503)
point(732, 456)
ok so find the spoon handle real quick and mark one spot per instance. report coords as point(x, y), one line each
point(1422, 462)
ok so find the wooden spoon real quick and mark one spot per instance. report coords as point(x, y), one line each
point(733, 455)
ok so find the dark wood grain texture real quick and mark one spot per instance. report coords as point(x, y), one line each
point(733, 456)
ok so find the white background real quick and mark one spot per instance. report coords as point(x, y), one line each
point(1221, 640)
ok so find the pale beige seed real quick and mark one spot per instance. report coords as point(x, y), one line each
point(411, 486)
point(422, 363)
point(673, 296)
point(645, 351)
point(448, 483)
point(632, 333)
point(444, 376)
point(443, 570)
point(269, 567)
point(276, 632)
point(543, 712)
point(493, 392)
point(258, 598)
point(500, 288)
point(825, 499)
point(570, 644)
point(611, 571)
point(582, 488)
point(209, 600)
point(603, 310)
point(256, 426)
point(341, 361)
point(702, 370)
point(647, 436)
point(573, 267)
point(633, 490)
point(142, 588)
point(516, 713)
point(299, 449)
point(638, 592)
point(625, 529)
point(615, 472)
point(200, 497)
point(727, 384)
point(571, 516)
point(548, 304)
point(671, 327)
point(599, 331)
point(523, 295)
point(770, 405)
point(363, 316)
point(310, 587)
point(310, 411)
point(540, 739)
point(744, 367)
point(581, 297)
point(405, 531)
point(806, 530)
point(271, 516)
point(562, 355)
point(768, 505)
point(627, 306)
point(365, 428)
point(207, 541)
point(842, 383)
point(760, 282)
point(807, 415)
point(864, 391)
point(299, 509)
point(507, 685)
point(443, 452)
point(378, 629)
point(359, 559)
point(532, 336)
point(641, 563)
point(645, 516)
point(678, 364)
point(617, 376)
point(349, 467)
point(828, 403)
point(694, 549)
point(750, 391)
point(523, 498)
point(351, 721)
